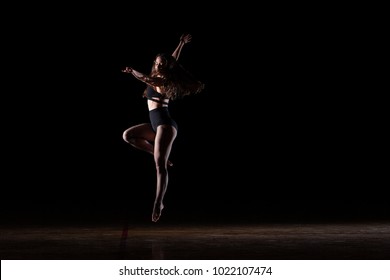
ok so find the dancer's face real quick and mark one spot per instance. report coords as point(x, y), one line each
point(160, 63)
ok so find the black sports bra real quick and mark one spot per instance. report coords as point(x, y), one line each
point(155, 96)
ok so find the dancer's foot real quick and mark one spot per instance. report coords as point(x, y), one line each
point(158, 207)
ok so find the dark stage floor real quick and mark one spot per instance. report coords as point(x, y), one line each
point(268, 241)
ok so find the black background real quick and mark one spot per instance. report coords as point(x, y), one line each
point(280, 130)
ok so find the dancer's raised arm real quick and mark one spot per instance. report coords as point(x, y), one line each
point(184, 39)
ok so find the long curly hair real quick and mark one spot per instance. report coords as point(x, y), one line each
point(178, 82)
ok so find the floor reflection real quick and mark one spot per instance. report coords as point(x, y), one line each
point(229, 242)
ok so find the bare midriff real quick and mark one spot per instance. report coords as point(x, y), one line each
point(153, 105)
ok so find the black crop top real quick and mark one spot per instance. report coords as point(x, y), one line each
point(153, 95)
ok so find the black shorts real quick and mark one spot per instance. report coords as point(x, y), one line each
point(161, 116)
